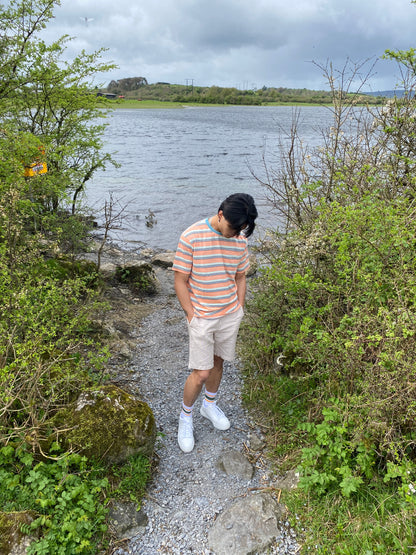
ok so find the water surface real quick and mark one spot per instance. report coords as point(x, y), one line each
point(180, 164)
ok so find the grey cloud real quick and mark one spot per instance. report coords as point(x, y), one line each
point(225, 42)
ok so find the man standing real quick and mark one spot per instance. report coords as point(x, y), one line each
point(210, 283)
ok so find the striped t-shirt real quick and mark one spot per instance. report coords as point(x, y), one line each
point(211, 260)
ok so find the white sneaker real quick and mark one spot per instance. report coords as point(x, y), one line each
point(215, 414)
point(186, 434)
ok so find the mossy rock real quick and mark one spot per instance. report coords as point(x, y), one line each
point(108, 424)
point(140, 277)
point(12, 540)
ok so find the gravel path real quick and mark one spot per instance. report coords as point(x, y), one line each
point(188, 491)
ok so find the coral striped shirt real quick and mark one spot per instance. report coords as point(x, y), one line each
point(211, 260)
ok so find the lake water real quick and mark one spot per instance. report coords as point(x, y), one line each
point(181, 163)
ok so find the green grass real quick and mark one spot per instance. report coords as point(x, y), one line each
point(375, 521)
point(143, 104)
point(279, 405)
point(157, 104)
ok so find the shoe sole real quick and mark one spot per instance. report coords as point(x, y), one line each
point(208, 418)
point(185, 450)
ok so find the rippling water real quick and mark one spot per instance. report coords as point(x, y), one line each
point(181, 164)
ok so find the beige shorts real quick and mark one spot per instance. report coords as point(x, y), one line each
point(213, 336)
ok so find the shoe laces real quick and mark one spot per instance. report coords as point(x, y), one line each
point(187, 428)
point(216, 409)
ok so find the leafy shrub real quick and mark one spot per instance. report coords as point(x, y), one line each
point(342, 309)
point(333, 314)
point(67, 496)
point(337, 458)
point(47, 354)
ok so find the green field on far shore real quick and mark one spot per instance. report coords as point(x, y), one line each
point(145, 104)
point(120, 103)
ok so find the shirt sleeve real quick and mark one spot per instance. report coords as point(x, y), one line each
point(244, 264)
point(184, 256)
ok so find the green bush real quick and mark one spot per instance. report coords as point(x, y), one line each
point(338, 459)
point(67, 495)
point(328, 341)
point(47, 353)
point(341, 309)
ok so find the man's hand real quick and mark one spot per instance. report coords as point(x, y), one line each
point(182, 292)
point(240, 281)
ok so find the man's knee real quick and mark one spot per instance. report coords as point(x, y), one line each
point(201, 376)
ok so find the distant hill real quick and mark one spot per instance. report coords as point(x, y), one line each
point(137, 88)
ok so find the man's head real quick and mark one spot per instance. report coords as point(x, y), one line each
point(239, 212)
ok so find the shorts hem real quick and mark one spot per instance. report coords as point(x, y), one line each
point(201, 369)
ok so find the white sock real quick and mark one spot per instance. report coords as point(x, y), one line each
point(209, 398)
point(186, 411)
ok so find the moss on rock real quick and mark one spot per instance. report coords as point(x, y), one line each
point(140, 277)
point(107, 423)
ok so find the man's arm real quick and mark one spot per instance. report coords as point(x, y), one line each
point(240, 281)
point(182, 292)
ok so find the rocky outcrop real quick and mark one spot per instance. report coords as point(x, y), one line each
point(250, 525)
point(125, 521)
point(139, 275)
point(107, 423)
point(12, 539)
point(234, 463)
point(163, 259)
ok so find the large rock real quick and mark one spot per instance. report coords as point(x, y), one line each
point(234, 463)
point(287, 482)
point(138, 275)
point(164, 259)
point(12, 540)
point(125, 521)
point(249, 526)
point(108, 424)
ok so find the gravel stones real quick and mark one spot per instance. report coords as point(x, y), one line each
point(189, 492)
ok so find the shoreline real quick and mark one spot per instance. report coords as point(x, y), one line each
point(156, 104)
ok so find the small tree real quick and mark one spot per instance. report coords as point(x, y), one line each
point(52, 99)
point(46, 105)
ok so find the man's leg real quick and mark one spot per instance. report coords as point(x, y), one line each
point(209, 407)
point(193, 386)
point(212, 383)
point(192, 389)
point(197, 378)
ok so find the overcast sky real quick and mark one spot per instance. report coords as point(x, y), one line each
point(238, 43)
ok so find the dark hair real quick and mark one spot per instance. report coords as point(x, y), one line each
point(240, 212)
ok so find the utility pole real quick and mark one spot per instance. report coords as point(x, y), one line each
point(191, 81)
